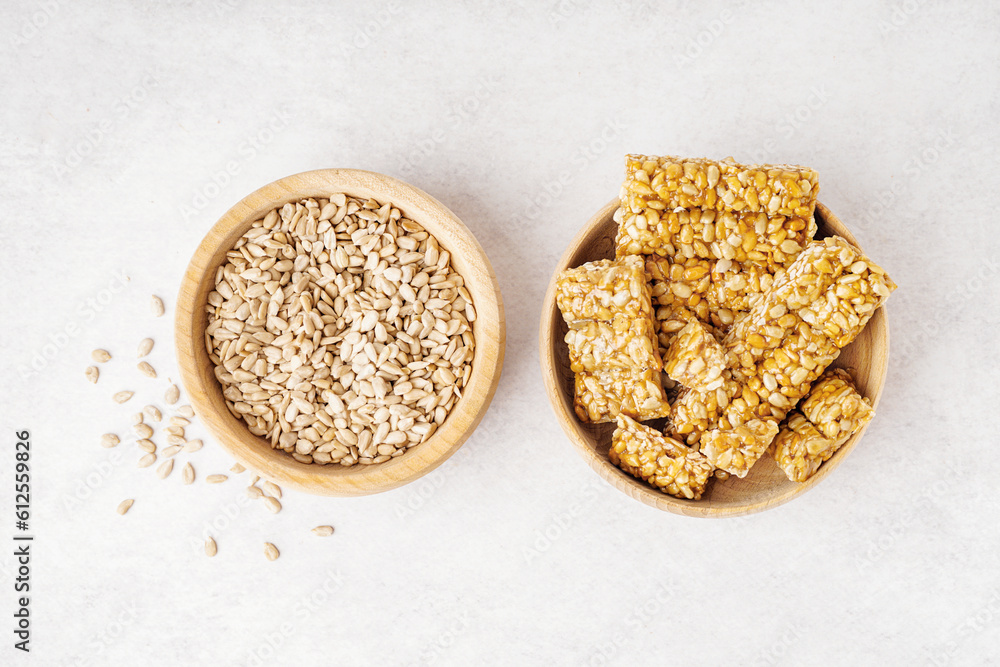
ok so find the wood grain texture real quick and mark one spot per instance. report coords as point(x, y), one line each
point(467, 257)
point(766, 485)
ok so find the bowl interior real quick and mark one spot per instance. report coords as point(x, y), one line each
point(468, 258)
point(765, 485)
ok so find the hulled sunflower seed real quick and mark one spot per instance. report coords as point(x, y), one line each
point(211, 548)
point(188, 473)
point(109, 440)
point(172, 394)
point(272, 504)
point(270, 551)
point(156, 306)
point(153, 413)
point(125, 505)
point(147, 460)
point(216, 479)
point(272, 489)
point(147, 446)
point(192, 446)
point(92, 374)
point(237, 468)
point(186, 411)
point(323, 531)
point(137, 418)
point(175, 430)
point(145, 347)
point(146, 369)
point(179, 421)
point(172, 450)
point(254, 492)
point(143, 431)
point(123, 396)
point(100, 356)
point(165, 468)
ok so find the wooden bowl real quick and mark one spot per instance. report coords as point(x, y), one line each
point(467, 257)
point(765, 486)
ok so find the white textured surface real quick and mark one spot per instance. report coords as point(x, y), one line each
point(115, 123)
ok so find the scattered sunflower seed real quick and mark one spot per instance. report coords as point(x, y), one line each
point(147, 446)
point(211, 548)
point(175, 430)
point(156, 306)
point(272, 489)
point(137, 418)
point(153, 412)
point(125, 505)
point(192, 446)
point(188, 473)
point(171, 450)
point(123, 396)
point(216, 479)
point(176, 440)
point(146, 369)
point(109, 440)
point(185, 411)
point(272, 504)
point(254, 479)
point(145, 347)
point(143, 430)
point(271, 551)
point(147, 460)
point(164, 470)
point(172, 395)
point(254, 492)
point(237, 468)
point(179, 421)
point(92, 374)
point(323, 531)
point(100, 356)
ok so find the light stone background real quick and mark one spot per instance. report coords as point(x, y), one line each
point(129, 128)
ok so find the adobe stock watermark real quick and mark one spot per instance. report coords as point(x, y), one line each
point(85, 312)
point(439, 645)
point(425, 489)
point(101, 641)
point(637, 620)
point(703, 39)
point(553, 187)
point(121, 109)
point(33, 26)
point(249, 149)
point(975, 623)
point(774, 652)
point(457, 114)
point(899, 16)
point(224, 519)
point(913, 168)
point(365, 35)
point(794, 120)
point(266, 651)
point(95, 478)
point(560, 522)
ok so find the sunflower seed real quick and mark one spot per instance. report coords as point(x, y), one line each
point(147, 446)
point(145, 347)
point(272, 504)
point(192, 446)
point(147, 460)
point(165, 468)
point(211, 548)
point(271, 551)
point(123, 396)
point(179, 421)
point(174, 430)
point(92, 374)
point(109, 440)
point(186, 411)
point(237, 468)
point(146, 369)
point(153, 413)
point(156, 306)
point(172, 450)
point(176, 440)
point(125, 505)
point(216, 479)
point(188, 473)
point(272, 489)
point(143, 431)
point(323, 531)
point(172, 395)
point(100, 356)
point(254, 492)
point(137, 418)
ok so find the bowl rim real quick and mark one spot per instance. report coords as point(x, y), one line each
point(469, 259)
point(636, 488)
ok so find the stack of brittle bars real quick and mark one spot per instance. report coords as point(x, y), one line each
point(721, 312)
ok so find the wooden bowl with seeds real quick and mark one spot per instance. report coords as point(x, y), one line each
point(765, 486)
point(484, 322)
